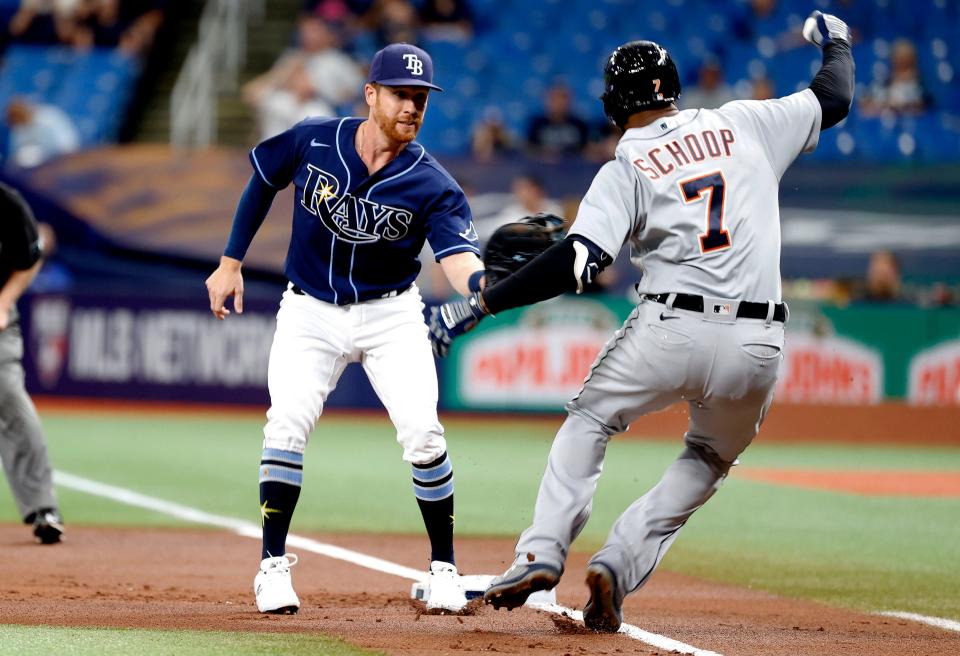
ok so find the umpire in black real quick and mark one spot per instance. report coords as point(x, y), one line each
point(22, 446)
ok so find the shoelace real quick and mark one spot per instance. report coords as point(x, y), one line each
point(292, 559)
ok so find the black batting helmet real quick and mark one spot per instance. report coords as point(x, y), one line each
point(638, 75)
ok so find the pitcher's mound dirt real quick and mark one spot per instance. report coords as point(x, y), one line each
point(192, 579)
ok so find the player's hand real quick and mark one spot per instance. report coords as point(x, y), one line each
point(450, 320)
point(822, 29)
point(223, 283)
point(4, 317)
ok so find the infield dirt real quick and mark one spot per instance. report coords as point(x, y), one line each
point(193, 579)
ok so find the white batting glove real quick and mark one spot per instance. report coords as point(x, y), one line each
point(822, 29)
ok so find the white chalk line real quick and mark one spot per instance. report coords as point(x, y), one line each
point(252, 530)
point(939, 622)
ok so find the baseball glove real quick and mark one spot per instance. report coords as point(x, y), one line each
point(512, 245)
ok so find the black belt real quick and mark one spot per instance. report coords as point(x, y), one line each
point(299, 292)
point(745, 309)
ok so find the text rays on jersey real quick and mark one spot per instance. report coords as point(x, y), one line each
point(352, 219)
point(682, 152)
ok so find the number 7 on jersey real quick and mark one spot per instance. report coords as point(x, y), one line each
point(716, 237)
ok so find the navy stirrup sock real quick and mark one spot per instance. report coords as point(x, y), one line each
point(433, 487)
point(281, 475)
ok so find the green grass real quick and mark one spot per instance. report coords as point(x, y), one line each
point(862, 552)
point(42, 640)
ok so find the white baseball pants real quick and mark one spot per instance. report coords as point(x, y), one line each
point(313, 343)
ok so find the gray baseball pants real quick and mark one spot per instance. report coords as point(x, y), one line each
point(22, 447)
point(724, 368)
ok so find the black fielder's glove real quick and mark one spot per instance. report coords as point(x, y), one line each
point(452, 319)
point(512, 245)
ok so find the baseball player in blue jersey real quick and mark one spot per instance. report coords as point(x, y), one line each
point(367, 196)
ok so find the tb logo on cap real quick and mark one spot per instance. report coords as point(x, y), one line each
point(414, 65)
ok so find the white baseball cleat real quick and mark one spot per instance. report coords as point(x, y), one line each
point(274, 587)
point(446, 589)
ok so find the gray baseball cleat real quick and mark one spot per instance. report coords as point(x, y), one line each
point(48, 526)
point(519, 582)
point(604, 610)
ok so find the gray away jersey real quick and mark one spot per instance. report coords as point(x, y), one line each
point(696, 196)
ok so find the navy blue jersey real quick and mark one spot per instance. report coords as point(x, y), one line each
point(358, 236)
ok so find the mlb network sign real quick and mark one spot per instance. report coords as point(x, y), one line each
point(139, 350)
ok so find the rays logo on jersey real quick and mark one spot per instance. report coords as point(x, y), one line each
point(352, 219)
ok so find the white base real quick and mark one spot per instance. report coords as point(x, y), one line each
point(475, 585)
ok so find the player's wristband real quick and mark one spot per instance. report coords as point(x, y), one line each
point(473, 284)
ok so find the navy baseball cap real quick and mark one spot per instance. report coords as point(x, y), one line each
point(402, 65)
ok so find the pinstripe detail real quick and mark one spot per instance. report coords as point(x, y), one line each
point(401, 173)
point(433, 493)
point(281, 474)
point(333, 240)
point(458, 247)
point(253, 154)
point(356, 294)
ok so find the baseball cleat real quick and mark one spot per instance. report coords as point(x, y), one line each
point(446, 590)
point(604, 610)
point(48, 526)
point(273, 586)
point(519, 582)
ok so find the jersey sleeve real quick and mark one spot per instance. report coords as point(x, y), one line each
point(275, 160)
point(608, 213)
point(450, 226)
point(784, 126)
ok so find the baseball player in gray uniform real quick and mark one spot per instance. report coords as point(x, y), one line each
point(22, 447)
point(694, 194)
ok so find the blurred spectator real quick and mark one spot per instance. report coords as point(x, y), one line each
point(603, 141)
point(490, 138)
point(393, 21)
point(942, 295)
point(710, 91)
point(131, 25)
point(337, 12)
point(449, 20)
point(883, 283)
point(762, 88)
point(308, 81)
point(558, 131)
point(529, 197)
point(902, 92)
point(45, 21)
point(38, 133)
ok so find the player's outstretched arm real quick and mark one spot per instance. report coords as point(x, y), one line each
point(227, 280)
point(464, 271)
point(223, 283)
point(833, 83)
point(564, 267)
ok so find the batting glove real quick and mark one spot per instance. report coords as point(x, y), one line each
point(822, 29)
point(452, 319)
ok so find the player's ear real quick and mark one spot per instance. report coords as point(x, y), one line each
point(370, 91)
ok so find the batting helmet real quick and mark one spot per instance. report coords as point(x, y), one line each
point(638, 75)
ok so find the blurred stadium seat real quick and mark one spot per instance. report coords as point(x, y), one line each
point(93, 87)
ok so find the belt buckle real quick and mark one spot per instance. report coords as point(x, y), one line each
point(720, 310)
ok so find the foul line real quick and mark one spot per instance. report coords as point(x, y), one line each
point(252, 530)
point(939, 622)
